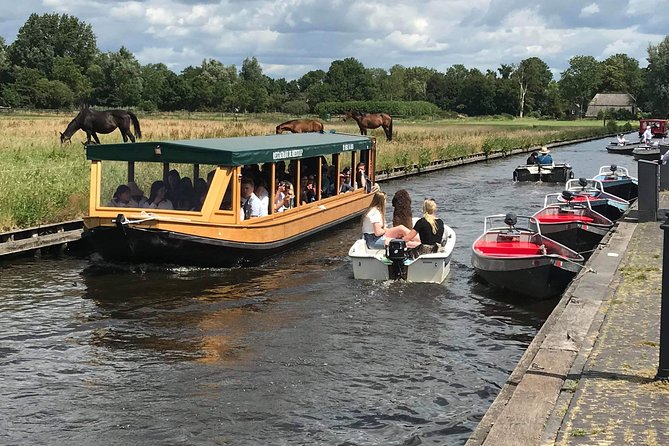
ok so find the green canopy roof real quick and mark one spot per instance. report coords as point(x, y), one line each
point(236, 151)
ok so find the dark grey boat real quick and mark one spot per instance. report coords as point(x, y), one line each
point(549, 173)
point(647, 153)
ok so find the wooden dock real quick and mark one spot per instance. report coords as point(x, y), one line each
point(51, 236)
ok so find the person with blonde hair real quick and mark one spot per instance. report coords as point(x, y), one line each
point(429, 228)
point(374, 229)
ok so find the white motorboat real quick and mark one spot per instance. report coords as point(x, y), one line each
point(395, 261)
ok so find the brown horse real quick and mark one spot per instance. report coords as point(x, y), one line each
point(372, 121)
point(300, 126)
point(93, 122)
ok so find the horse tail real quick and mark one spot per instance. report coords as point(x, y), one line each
point(319, 126)
point(135, 124)
point(390, 129)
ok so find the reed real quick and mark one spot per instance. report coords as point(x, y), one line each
point(44, 182)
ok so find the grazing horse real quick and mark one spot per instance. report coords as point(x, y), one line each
point(300, 126)
point(93, 122)
point(372, 121)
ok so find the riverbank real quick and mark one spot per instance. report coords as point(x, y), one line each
point(588, 375)
point(43, 182)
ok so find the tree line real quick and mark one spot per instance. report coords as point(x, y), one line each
point(54, 63)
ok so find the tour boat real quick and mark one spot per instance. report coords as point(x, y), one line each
point(512, 254)
point(617, 181)
point(647, 153)
point(572, 224)
point(608, 205)
point(395, 262)
point(548, 173)
point(214, 232)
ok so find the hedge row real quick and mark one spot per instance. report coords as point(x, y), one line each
point(393, 108)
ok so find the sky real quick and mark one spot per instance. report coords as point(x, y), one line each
point(291, 37)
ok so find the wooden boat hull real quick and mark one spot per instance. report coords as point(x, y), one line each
point(122, 243)
point(559, 173)
point(536, 277)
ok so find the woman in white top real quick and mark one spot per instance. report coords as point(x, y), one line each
point(285, 195)
point(157, 198)
point(374, 229)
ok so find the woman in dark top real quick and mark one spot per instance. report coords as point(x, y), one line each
point(429, 228)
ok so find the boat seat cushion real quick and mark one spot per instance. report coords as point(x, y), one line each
point(560, 218)
point(508, 248)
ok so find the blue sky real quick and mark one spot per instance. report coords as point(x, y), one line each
point(292, 37)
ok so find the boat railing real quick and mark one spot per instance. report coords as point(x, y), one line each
point(617, 172)
point(557, 200)
point(524, 224)
point(591, 185)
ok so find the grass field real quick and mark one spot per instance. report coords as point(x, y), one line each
point(43, 182)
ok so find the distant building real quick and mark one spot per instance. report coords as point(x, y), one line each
point(615, 101)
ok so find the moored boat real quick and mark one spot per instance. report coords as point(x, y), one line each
point(617, 181)
point(572, 224)
point(646, 153)
point(550, 173)
point(214, 229)
point(608, 205)
point(395, 262)
point(513, 255)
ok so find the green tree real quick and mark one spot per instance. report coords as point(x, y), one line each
point(580, 81)
point(436, 90)
point(67, 72)
point(156, 88)
point(621, 73)
point(349, 80)
point(456, 79)
point(4, 61)
point(43, 38)
point(657, 78)
point(52, 94)
point(120, 83)
point(252, 92)
point(394, 86)
point(416, 82)
point(478, 93)
point(532, 76)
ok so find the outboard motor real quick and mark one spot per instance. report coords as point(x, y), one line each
point(397, 252)
point(582, 182)
point(567, 195)
point(510, 219)
point(614, 167)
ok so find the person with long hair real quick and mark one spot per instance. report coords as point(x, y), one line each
point(374, 229)
point(285, 196)
point(429, 228)
point(157, 197)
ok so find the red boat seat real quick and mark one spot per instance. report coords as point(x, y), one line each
point(561, 218)
point(507, 248)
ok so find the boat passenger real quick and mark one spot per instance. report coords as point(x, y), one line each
point(647, 135)
point(200, 189)
point(137, 196)
point(361, 180)
point(173, 180)
point(157, 197)
point(263, 195)
point(402, 214)
point(250, 205)
point(184, 196)
point(121, 198)
point(308, 194)
point(345, 180)
point(544, 157)
point(429, 228)
point(285, 196)
point(374, 229)
point(621, 139)
point(532, 159)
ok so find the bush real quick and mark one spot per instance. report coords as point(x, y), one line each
point(412, 109)
point(612, 126)
point(296, 108)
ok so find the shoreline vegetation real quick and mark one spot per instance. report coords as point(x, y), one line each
point(43, 182)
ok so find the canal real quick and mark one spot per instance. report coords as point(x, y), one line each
point(292, 351)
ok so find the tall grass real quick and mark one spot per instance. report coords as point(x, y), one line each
point(44, 182)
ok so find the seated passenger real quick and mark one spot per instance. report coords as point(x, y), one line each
point(429, 228)
point(402, 214)
point(184, 197)
point(157, 198)
point(544, 157)
point(200, 188)
point(173, 180)
point(121, 198)
point(361, 180)
point(325, 183)
point(532, 159)
point(263, 195)
point(137, 195)
point(250, 203)
point(621, 139)
point(374, 229)
point(308, 194)
point(285, 197)
point(345, 180)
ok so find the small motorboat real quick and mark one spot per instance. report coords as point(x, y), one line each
point(549, 173)
point(396, 262)
point(647, 153)
point(513, 255)
point(617, 181)
point(608, 205)
point(572, 224)
point(622, 148)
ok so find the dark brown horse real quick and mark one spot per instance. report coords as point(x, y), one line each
point(372, 121)
point(300, 126)
point(93, 122)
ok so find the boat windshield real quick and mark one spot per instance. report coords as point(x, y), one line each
point(500, 222)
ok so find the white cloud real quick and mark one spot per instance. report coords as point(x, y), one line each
point(590, 10)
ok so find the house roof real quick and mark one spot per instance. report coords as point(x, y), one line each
point(236, 151)
point(612, 100)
